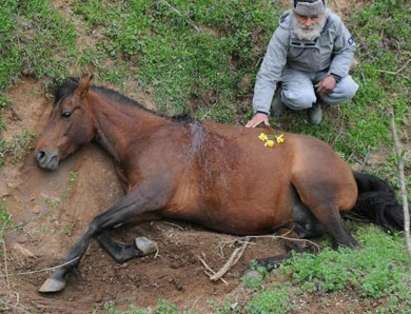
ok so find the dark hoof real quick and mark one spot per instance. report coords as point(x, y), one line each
point(52, 285)
point(146, 245)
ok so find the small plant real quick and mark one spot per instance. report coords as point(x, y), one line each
point(51, 202)
point(3, 151)
point(4, 102)
point(5, 217)
point(68, 229)
point(271, 301)
point(254, 278)
point(164, 307)
point(5, 221)
point(111, 309)
point(73, 176)
point(20, 144)
point(17, 147)
point(226, 308)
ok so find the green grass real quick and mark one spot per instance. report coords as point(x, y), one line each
point(5, 222)
point(9, 51)
point(5, 217)
point(17, 147)
point(37, 41)
point(274, 300)
point(375, 270)
point(178, 62)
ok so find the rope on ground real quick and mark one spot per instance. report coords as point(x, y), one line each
point(43, 270)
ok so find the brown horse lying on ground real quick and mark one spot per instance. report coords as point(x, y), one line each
point(218, 176)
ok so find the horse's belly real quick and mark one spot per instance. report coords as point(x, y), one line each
point(246, 222)
point(240, 221)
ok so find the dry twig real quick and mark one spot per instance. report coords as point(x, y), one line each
point(6, 272)
point(283, 237)
point(399, 154)
point(190, 22)
point(404, 66)
point(234, 258)
point(209, 271)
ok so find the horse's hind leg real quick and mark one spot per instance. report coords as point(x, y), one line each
point(331, 219)
point(325, 194)
point(321, 202)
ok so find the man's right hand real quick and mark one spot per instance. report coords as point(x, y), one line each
point(257, 120)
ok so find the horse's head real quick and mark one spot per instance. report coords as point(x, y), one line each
point(70, 124)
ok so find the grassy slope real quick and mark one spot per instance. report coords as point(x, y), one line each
point(201, 57)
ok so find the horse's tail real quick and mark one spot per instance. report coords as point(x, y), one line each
point(376, 201)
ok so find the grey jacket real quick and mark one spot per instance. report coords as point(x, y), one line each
point(332, 52)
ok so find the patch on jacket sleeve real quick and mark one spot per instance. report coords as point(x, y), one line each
point(351, 41)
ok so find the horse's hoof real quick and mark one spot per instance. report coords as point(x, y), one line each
point(52, 285)
point(146, 245)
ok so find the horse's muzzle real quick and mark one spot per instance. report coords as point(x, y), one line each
point(47, 159)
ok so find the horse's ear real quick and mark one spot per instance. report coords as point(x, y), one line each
point(84, 85)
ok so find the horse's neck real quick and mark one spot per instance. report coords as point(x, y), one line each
point(120, 125)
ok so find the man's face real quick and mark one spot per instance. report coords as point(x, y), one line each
point(308, 27)
point(308, 21)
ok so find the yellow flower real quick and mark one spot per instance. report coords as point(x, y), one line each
point(269, 144)
point(263, 137)
point(280, 139)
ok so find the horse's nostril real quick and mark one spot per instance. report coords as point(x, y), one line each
point(40, 155)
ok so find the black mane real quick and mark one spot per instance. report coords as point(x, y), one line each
point(70, 84)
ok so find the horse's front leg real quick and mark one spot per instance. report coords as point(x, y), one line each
point(121, 252)
point(148, 197)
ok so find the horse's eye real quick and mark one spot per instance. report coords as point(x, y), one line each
point(66, 114)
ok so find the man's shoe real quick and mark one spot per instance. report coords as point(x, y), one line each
point(277, 107)
point(315, 114)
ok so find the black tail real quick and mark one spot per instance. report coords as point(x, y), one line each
point(376, 201)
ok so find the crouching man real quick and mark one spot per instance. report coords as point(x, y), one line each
point(306, 64)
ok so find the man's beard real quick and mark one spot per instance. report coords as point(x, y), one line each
point(308, 33)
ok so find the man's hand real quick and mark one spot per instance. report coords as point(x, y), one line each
point(326, 85)
point(258, 119)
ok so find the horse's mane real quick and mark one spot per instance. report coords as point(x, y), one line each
point(68, 86)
